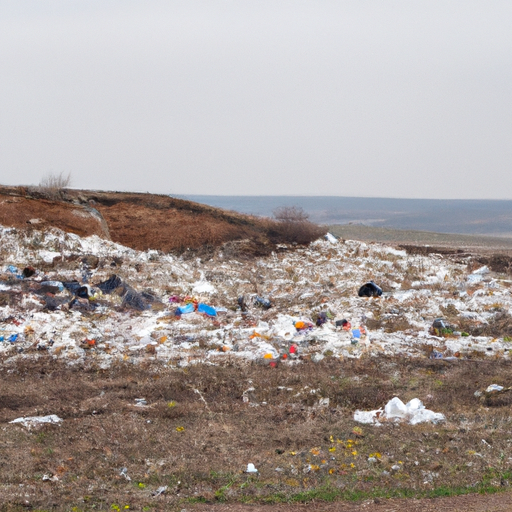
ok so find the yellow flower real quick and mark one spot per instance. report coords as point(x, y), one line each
point(180, 429)
point(332, 449)
point(293, 453)
point(172, 404)
point(352, 465)
point(331, 471)
point(354, 453)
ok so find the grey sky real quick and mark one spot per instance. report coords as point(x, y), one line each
point(362, 98)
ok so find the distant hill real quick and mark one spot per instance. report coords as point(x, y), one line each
point(470, 217)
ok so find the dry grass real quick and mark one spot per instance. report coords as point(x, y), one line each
point(281, 426)
point(52, 185)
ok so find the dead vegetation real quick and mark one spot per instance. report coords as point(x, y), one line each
point(52, 185)
point(196, 434)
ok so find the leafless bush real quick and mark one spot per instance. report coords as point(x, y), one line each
point(290, 214)
point(52, 184)
point(293, 226)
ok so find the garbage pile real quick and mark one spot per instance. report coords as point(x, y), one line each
point(78, 298)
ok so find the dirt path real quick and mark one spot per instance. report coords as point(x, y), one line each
point(501, 502)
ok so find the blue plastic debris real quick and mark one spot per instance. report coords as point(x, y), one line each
point(208, 310)
point(356, 333)
point(187, 308)
point(12, 269)
point(12, 338)
point(1, 338)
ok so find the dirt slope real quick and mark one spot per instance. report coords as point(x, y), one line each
point(140, 221)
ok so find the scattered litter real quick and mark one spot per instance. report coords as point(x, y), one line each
point(370, 289)
point(57, 285)
point(207, 310)
point(344, 324)
point(29, 271)
point(32, 421)
point(124, 473)
point(242, 304)
point(251, 468)
point(395, 410)
point(302, 301)
point(161, 490)
point(264, 303)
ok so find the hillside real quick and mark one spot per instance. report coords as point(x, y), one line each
point(144, 221)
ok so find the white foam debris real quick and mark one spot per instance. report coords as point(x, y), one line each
point(395, 410)
point(32, 421)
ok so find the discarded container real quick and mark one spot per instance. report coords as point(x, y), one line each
point(370, 289)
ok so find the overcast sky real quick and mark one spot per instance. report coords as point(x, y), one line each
point(388, 98)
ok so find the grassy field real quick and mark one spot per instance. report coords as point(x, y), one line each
point(397, 237)
point(202, 425)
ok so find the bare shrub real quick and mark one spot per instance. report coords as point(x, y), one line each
point(52, 184)
point(293, 226)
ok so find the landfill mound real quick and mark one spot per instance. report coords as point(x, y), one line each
point(88, 298)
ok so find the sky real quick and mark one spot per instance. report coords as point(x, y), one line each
point(372, 98)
